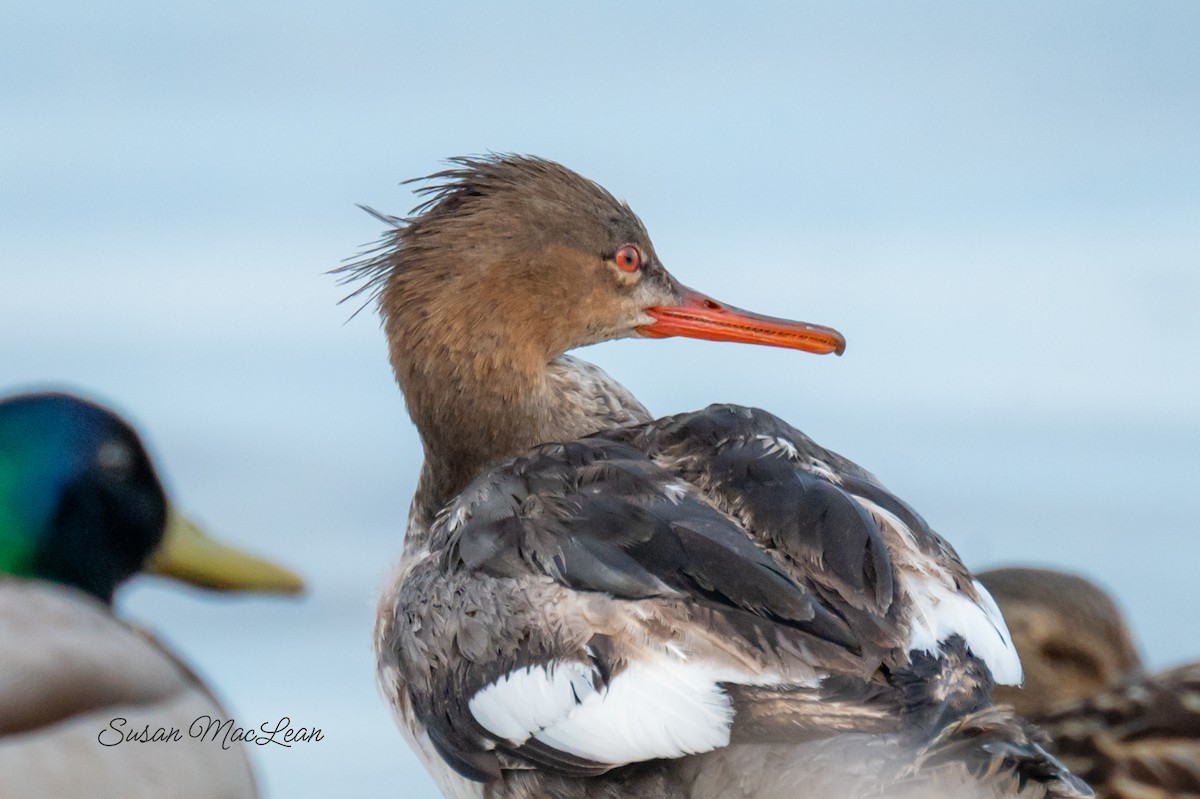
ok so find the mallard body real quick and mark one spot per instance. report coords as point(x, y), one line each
point(85, 698)
point(74, 680)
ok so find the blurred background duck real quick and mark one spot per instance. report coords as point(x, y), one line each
point(81, 511)
point(1130, 734)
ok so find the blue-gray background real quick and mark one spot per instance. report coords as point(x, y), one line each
point(998, 204)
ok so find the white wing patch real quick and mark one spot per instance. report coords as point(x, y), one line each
point(662, 709)
point(527, 700)
point(1013, 674)
point(663, 706)
point(939, 611)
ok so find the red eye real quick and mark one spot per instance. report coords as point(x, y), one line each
point(629, 258)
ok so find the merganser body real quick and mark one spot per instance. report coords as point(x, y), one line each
point(594, 602)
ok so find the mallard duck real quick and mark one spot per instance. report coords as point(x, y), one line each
point(81, 511)
point(1131, 735)
point(595, 602)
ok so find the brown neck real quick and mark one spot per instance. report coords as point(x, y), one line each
point(478, 360)
point(473, 412)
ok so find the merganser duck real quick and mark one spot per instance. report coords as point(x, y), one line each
point(1132, 735)
point(81, 511)
point(592, 602)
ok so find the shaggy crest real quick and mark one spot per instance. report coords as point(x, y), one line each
point(457, 193)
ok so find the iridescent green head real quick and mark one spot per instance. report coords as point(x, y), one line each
point(79, 500)
point(80, 504)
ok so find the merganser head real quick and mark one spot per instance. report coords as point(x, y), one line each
point(510, 262)
point(81, 505)
point(521, 253)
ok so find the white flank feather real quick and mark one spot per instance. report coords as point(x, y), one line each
point(527, 700)
point(662, 706)
point(662, 709)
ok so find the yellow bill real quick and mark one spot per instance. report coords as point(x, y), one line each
point(191, 556)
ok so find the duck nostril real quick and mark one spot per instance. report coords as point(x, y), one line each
point(712, 305)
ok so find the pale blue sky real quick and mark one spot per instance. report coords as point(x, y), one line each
point(999, 205)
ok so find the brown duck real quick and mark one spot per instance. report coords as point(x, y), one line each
point(1132, 735)
point(595, 602)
